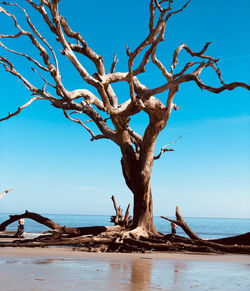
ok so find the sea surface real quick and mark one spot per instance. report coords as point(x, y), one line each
point(204, 227)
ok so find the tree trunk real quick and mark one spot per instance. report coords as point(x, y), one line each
point(143, 209)
point(137, 169)
point(143, 203)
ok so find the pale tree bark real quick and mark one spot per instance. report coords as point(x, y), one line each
point(137, 151)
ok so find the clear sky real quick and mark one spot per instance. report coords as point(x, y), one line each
point(53, 166)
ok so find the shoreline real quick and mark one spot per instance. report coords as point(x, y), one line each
point(68, 252)
point(43, 269)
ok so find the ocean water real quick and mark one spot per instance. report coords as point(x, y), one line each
point(204, 227)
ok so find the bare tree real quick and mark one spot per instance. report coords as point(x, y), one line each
point(138, 152)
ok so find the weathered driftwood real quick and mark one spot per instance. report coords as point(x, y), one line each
point(57, 229)
point(120, 239)
point(182, 223)
point(31, 215)
point(119, 219)
point(131, 245)
point(243, 239)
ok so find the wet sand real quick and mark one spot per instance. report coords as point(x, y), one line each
point(64, 269)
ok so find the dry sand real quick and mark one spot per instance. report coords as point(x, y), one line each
point(64, 269)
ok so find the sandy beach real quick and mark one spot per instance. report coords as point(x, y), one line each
point(66, 269)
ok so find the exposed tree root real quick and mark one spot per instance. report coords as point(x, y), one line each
point(136, 233)
point(118, 244)
point(121, 239)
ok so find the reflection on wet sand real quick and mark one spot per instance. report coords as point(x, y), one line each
point(147, 274)
point(141, 271)
point(129, 272)
point(135, 273)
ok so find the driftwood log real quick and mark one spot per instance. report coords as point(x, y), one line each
point(120, 238)
point(58, 230)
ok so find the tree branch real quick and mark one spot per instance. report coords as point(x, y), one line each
point(26, 56)
point(54, 71)
point(5, 192)
point(35, 91)
point(115, 61)
point(193, 77)
point(164, 148)
point(45, 81)
point(82, 123)
point(21, 108)
point(67, 50)
point(193, 54)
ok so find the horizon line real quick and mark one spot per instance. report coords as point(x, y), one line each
point(77, 214)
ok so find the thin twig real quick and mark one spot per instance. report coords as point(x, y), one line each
point(164, 149)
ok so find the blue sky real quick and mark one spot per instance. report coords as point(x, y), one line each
point(53, 166)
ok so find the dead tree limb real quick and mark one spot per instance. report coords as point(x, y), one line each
point(57, 229)
point(235, 244)
point(119, 219)
point(127, 217)
point(165, 149)
point(31, 215)
point(181, 222)
point(5, 192)
point(118, 216)
point(242, 239)
point(198, 246)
